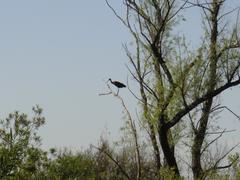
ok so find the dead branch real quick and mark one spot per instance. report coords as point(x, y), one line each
point(133, 131)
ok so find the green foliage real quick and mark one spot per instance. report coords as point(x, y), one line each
point(22, 158)
point(168, 174)
point(18, 143)
point(234, 159)
point(68, 165)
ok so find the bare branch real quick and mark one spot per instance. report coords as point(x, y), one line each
point(221, 158)
point(200, 100)
point(227, 13)
point(220, 132)
point(225, 107)
point(201, 5)
point(115, 13)
point(145, 85)
point(229, 165)
point(104, 94)
point(214, 140)
point(229, 47)
point(133, 131)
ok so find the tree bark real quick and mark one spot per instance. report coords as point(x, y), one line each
point(200, 132)
point(198, 141)
point(167, 149)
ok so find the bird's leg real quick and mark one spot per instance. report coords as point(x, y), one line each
point(117, 91)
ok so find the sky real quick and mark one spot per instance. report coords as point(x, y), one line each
point(59, 54)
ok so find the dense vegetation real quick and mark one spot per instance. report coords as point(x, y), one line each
point(22, 158)
point(176, 132)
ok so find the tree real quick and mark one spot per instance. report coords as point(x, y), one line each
point(19, 152)
point(178, 87)
point(69, 165)
point(222, 54)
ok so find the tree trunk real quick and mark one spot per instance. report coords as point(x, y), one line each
point(168, 151)
point(198, 141)
point(155, 147)
point(201, 130)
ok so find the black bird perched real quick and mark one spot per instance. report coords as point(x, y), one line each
point(117, 84)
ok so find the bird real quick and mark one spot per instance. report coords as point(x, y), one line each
point(117, 84)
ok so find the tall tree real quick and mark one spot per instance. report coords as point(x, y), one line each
point(221, 66)
point(175, 83)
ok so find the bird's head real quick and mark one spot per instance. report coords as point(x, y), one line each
point(109, 80)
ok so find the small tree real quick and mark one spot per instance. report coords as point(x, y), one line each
point(19, 152)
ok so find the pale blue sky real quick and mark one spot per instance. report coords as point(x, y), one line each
point(59, 54)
